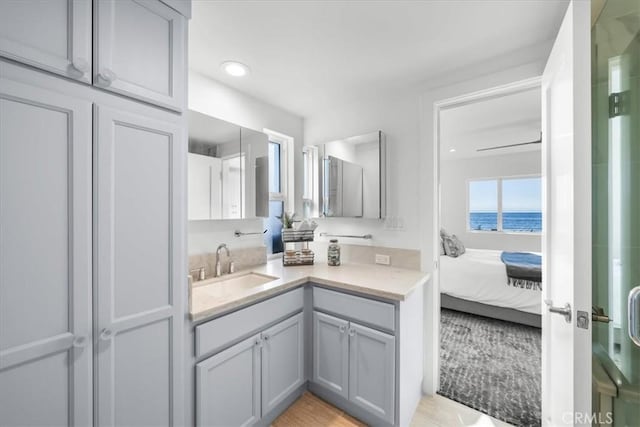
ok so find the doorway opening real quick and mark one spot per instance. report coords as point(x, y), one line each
point(489, 197)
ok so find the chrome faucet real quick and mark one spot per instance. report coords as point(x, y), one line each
point(218, 267)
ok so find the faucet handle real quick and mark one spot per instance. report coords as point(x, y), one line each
point(232, 267)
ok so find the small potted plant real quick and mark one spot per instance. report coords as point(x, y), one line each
point(287, 220)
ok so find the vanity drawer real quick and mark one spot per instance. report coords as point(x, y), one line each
point(373, 312)
point(218, 333)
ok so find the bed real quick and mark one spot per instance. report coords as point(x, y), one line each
point(476, 282)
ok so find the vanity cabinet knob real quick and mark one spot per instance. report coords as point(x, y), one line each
point(352, 332)
point(106, 334)
point(107, 76)
point(265, 337)
point(258, 342)
point(343, 329)
point(80, 341)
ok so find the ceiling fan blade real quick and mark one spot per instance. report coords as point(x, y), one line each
point(498, 147)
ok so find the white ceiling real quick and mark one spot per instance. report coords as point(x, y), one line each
point(495, 122)
point(308, 56)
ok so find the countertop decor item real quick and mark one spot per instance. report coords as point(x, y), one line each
point(303, 233)
point(333, 253)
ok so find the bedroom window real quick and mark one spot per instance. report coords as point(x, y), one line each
point(508, 204)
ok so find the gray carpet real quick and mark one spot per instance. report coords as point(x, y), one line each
point(492, 366)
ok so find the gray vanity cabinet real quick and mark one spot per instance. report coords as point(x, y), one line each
point(282, 361)
point(331, 353)
point(243, 383)
point(228, 386)
point(351, 360)
point(372, 370)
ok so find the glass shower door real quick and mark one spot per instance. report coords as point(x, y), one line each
point(616, 208)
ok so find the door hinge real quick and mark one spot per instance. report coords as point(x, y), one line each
point(618, 104)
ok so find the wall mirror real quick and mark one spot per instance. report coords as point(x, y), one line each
point(228, 170)
point(347, 178)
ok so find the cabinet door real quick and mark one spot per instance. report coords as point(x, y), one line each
point(45, 257)
point(54, 35)
point(139, 269)
point(282, 361)
point(228, 386)
point(331, 353)
point(140, 50)
point(372, 371)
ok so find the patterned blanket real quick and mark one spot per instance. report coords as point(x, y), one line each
point(524, 270)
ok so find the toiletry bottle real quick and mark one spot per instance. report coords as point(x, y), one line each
point(333, 253)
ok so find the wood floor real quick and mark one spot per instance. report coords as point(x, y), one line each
point(432, 411)
point(311, 411)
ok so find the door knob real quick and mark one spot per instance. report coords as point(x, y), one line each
point(108, 76)
point(106, 334)
point(564, 311)
point(80, 64)
point(80, 341)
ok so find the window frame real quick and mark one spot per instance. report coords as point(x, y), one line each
point(499, 180)
point(286, 194)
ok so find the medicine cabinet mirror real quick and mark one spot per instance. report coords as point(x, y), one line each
point(346, 177)
point(228, 170)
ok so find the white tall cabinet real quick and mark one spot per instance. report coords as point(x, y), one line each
point(92, 214)
point(45, 257)
point(138, 294)
point(54, 35)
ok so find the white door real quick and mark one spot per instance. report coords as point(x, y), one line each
point(54, 35)
point(372, 369)
point(228, 386)
point(331, 353)
point(282, 361)
point(199, 185)
point(138, 275)
point(140, 50)
point(45, 257)
point(566, 150)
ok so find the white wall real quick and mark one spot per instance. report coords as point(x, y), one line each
point(397, 115)
point(210, 97)
point(453, 183)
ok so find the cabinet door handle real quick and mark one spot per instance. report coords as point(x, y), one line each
point(80, 341)
point(352, 332)
point(343, 329)
point(106, 334)
point(265, 337)
point(258, 342)
point(81, 65)
point(108, 76)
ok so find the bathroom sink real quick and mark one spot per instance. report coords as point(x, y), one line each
point(227, 285)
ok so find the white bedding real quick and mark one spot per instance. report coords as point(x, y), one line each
point(480, 276)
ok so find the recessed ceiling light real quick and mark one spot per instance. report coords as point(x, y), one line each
point(235, 68)
point(453, 150)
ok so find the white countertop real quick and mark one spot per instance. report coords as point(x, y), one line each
point(369, 279)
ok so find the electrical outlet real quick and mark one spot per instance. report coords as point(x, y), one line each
point(383, 259)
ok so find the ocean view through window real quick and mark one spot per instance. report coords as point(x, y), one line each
point(511, 205)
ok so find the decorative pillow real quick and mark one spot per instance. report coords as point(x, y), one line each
point(453, 247)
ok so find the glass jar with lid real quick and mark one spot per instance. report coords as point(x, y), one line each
point(333, 253)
